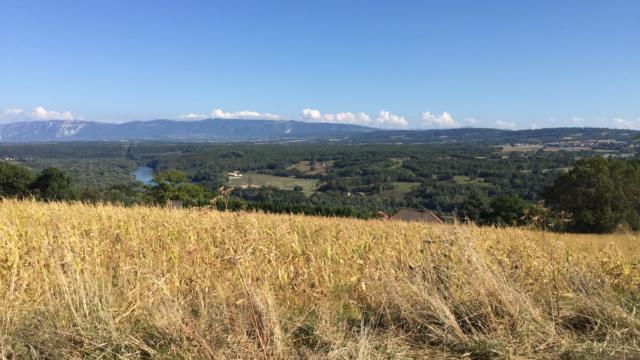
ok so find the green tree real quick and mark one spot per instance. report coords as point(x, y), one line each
point(175, 185)
point(474, 205)
point(599, 194)
point(14, 180)
point(507, 211)
point(53, 184)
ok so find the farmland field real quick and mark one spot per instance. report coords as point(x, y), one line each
point(285, 183)
point(521, 148)
point(99, 281)
point(400, 189)
point(461, 179)
point(317, 168)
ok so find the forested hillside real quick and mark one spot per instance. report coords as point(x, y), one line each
point(534, 184)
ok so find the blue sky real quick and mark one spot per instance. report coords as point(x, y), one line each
point(412, 64)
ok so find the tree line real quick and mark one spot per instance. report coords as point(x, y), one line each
point(596, 195)
point(50, 184)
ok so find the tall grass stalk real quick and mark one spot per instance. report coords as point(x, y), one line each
point(103, 281)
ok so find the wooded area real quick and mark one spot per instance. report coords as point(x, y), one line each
point(562, 190)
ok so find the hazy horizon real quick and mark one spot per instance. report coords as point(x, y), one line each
point(572, 126)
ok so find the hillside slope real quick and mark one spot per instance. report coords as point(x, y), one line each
point(172, 130)
point(224, 130)
point(102, 281)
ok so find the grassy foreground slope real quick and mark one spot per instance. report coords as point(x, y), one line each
point(103, 281)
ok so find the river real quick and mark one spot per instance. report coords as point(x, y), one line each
point(144, 174)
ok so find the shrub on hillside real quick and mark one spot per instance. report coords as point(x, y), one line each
point(14, 180)
point(600, 195)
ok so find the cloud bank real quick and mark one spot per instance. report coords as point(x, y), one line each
point(620, 123)
point(245, 115)
point(577, 120)
point(39, 113)
point(342, 118)
point(237, 115)
point(193, 116)
point(442, 121)
point(384, 118)
point(505, 125)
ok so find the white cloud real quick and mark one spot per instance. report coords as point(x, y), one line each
point(39, 113)
point(312, 114)
point(444, 120)
point(471, 121)
point(343, 117)
point(577, 120)
point(237, 115)
point(505, 125)
point(386, 118)
point(244, 115)
point(192, 116)
point(534, 126)
point(11, 112)
point(620, 123)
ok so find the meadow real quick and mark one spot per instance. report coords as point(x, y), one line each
point(400, 189)
point(102, 281)
point(281, 182)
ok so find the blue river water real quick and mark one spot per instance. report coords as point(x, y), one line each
point(144, 174)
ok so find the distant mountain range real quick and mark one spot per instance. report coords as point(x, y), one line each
point(172, 130)
point(270, 130)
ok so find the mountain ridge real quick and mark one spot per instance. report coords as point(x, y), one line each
point(278, 130)
point(171, 130)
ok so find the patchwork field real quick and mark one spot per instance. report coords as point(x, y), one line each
point(285, 183)
point(321, 167)
point(461, 179)
point(521, 148)
point(400, 189)
point(84, 281)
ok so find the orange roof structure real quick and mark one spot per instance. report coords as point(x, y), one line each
point(413, 215)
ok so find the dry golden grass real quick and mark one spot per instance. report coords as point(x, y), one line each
point(81, 281)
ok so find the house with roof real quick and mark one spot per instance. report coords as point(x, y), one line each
point(413, 215)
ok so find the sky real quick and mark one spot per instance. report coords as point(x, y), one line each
point(389, 64)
